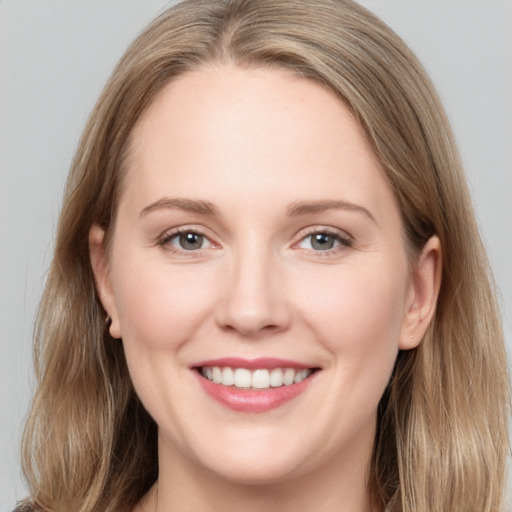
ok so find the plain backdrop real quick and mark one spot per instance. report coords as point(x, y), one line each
point(55, 57)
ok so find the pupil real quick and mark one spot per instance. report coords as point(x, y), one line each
point(322, 241)
point(191, 241)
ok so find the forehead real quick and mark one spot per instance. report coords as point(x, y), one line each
point(215, 133)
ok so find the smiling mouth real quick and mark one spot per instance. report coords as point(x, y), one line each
point(254, 380)
point(254, 385)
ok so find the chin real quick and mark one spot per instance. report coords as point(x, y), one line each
point(265, 460)
point(257, 472)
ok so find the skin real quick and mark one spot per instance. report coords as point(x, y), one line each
point(253, 143)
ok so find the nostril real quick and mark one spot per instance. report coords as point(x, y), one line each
point(251, 302)
point(251, 329)
point(252, 318)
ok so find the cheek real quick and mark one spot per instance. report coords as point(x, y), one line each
point(159, 308)
point(357, 315)
point(356, 302)
point(357, 320)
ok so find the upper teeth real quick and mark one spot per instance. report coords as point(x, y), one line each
point(259, 379)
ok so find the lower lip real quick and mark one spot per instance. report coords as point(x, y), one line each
point(242, 400)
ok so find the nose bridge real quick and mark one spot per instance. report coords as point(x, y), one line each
point(254, 300)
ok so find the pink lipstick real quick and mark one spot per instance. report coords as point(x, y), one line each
point(255, 385)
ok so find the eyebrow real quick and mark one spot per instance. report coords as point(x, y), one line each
point(305, 207)
point(295, 209)
point(189, 205)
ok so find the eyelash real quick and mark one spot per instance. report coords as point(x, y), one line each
point(345, 242)
point(165, 240)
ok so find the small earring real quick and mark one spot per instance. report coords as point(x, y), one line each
point(108, 320)
point(411, 335)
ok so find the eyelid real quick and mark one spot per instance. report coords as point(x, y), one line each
point(311, 230)
point(343, 237)
point(164, 240)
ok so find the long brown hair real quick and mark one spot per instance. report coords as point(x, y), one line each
point(441, 444)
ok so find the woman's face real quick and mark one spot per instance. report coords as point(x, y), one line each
point(257, 242)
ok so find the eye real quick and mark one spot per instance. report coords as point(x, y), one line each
point(321, 241)
point(185, 241)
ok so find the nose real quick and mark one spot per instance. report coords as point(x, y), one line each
point(253, 299)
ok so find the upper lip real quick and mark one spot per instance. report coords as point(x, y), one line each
point(252, 364)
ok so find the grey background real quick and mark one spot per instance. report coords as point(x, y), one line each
point(54, 59)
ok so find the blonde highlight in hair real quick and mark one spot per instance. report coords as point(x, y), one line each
point(441, 444)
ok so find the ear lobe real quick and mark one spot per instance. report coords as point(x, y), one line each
point(101, 271)
point(425, 285)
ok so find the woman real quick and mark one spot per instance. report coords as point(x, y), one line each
point(268, 287)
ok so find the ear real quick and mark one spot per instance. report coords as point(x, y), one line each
point(422, 296)
point(101, 270)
